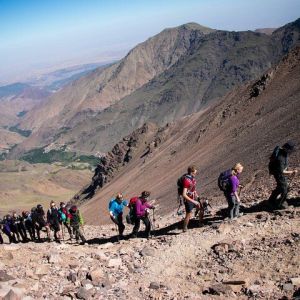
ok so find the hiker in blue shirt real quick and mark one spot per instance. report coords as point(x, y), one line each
point(115, 208)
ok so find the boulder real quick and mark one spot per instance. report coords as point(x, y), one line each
point(83, 293)
point(154, 285)
point(96, 276)
point(5, 277)
point(147, 251)
point(72, 277)
point(218, 289)
point(54, 258)
point(14, 294)
point(42, 270)
point(114, 263)
point(295, 281)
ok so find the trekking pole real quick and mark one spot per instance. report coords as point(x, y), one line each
point(180, 204)
point(118, 236)
point(153, 218)
point(63, 231)
point(240, 189)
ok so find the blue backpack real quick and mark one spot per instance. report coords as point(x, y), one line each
point(62, 217)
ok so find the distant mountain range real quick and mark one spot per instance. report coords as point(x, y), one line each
point(177, 72)
point(17, 99)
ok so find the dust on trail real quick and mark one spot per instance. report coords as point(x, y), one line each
point(258, 252)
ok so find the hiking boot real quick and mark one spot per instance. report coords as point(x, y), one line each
point(284, 205)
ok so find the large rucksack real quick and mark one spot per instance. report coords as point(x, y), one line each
point(273, 160)
point(180, 183)
point(130, 218)
point(224, 180)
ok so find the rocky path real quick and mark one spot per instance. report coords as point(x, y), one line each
point(254, 257)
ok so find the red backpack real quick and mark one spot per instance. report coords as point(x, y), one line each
point(130, 218)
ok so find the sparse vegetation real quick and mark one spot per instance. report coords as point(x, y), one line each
point(22, 113)
point(38, 155)
point(25, 133)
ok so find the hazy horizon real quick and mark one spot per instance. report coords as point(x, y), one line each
point(39, 37)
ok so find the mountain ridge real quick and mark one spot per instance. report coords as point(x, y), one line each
point(213, 64)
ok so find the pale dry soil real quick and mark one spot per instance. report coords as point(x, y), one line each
point(257, 258)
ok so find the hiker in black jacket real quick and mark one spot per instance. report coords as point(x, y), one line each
point(39, 221)
point(1, 228)
point(53, 219)
point(18, 228)
point(278, 167)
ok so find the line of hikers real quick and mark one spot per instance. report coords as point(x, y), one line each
point(28, 226)
point(57, 219)
point(228, 182)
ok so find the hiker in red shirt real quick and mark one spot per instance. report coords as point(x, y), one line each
point(189, 195)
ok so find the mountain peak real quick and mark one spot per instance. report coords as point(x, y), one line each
point(196, 26)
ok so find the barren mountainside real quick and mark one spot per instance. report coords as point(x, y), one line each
point(105, 87)
point(214, 140)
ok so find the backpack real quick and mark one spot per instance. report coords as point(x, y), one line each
point(224, 180)
point(180, 183)
point(273, 159)
point(130, 218)
point(62, 216)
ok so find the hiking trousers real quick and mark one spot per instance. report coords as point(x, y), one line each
point(233, 206)
point(118, 220)
point(78, 233)
point(65, 224)
point(281, 189)
point(137, 223)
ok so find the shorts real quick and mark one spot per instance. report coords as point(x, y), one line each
point(189, 206)
point(55, 226)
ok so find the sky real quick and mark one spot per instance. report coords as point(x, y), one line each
point(37, 36)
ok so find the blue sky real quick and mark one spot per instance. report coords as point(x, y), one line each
point(41, 35)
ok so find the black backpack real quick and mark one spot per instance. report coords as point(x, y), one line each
point(224, 180)
point(273, 160)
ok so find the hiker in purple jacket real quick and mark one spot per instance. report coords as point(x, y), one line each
point(232, 195)
point(141, 213)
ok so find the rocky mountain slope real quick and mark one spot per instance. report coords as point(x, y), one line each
point(214, 140)
point(254, 257)
point(170, 75)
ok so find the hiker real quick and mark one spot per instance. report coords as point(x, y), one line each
point(53, 219)
point(189, 195)
point(75, 220)
point(115, 208)
point(7, 228)
point(27, 217)
point(141, 213)
point(38, 219)
point(64, 215)
point(231, 192)
point(18, 228)
point(1, 228)
point(278, 167)
point(19, 220)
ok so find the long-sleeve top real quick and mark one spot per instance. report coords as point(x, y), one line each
point(140, 207)
point(75, 219)
point(117, 208)
point(234, 184)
